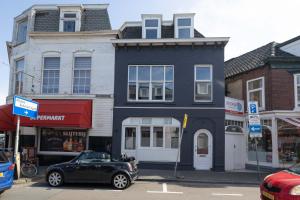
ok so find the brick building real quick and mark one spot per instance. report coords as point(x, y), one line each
point(270, 75)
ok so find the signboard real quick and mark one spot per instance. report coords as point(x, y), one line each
point(254, 120)
point(252, 108)
point(234, 106)
point(185, 120)
point(25, 107)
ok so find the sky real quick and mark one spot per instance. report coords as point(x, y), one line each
point(249, 23)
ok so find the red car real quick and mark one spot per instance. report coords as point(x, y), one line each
point(283, 185)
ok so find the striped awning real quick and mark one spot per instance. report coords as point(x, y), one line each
point(292, 120)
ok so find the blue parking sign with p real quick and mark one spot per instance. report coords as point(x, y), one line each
point(253, 107)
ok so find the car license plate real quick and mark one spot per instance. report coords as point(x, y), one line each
point(1, 174)
point(268, 195)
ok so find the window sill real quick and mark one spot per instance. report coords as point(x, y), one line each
point(203, 103)
point(150, 102)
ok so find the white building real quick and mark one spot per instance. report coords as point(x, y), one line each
point(62, 56)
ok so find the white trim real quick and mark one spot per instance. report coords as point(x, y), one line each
point(263, 106)
point(150, 17)
point(211, 81)
point(52, 54)
point(201, 41)
point(140, 23)
point(75, 34)
point(164, 81)
point(173, 108)
point(210, 148)
point(297, 106)
point(177, 27)
point(70, 10)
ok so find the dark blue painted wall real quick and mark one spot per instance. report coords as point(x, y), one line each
point(184, 58)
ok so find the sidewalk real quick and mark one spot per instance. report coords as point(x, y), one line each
point(239, 177)
point(191, 176)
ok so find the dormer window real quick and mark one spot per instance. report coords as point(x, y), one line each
point(184, 26)
point(70, 20)
point(21, 31)
point(151, 27)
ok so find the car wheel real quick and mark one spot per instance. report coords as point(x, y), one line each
point(120, 181)
point(55, 179)
point(1, 192)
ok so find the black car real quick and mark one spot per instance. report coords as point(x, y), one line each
point(94, 167)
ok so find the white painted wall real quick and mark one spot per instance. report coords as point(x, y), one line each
point(292, 48)
point(102, 74)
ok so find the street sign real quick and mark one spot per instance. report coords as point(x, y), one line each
point(254, 120)
point(255, 131)
point(25, 107)
point(252, 107)
point(185, 120)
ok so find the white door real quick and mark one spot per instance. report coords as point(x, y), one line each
point(235, 151)
point(203, 150)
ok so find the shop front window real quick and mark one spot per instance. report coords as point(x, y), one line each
point(53, 140)
point(264, 144)
point(288, 143)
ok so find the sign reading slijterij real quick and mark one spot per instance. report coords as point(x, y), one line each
point(25, 107)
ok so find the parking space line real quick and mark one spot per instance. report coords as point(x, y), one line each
point(164, 190)
point(226, 194)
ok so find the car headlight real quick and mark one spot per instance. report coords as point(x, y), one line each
point(295, 190)
point(267, 176)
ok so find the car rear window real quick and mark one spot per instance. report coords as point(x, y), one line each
point(3, 158)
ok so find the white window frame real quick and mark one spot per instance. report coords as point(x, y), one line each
point(196, 81)
point(15, 74)
point(77, 19)
point(17, 31)
point(259, 89)
point(124, 136)
point(50, 55)
point(150, 84)
point(183, 16)
point(144, 28)
point(297, 103)
point(73, 74)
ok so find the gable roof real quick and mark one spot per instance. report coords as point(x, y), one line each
point(253, 59)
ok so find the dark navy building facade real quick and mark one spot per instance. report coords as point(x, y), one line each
point(164, 70)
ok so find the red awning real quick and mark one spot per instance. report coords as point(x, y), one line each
point(6, 118)
point(62, 113)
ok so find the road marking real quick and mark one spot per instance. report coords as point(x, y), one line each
point(108, 190)
point(164, 190)
point(224, 194)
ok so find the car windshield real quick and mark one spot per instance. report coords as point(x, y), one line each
point(295, 168)
point(3, 158)
point(90, 157)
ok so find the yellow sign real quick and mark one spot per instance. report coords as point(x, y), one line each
point(185, 120)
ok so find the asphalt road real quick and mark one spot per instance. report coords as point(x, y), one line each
point(137, 191)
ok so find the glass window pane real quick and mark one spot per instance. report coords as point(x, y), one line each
point(203, 91)
point(157, 73)
point(171, 137)
point(202, 144)
point(130, 138)
point(298, 79)
point(83, 62)
point(158, 136)
point(143, 91)
point(184, 22)
point(169, 91)
point(69, 26)
point(169, 73)
point(132, 91)
point(144, 73)
point(203, 73)
point(51, 63)
point(255, 84)
point(132, 73)
point(256, 96)
point(70, 15)
point(157, 91)
point(151, 33)
point(145, 136)
point(151, 22)
point(298, 93)
point(22, 32)
point(184, 33)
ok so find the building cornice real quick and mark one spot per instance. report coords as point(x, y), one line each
point(171, 41)
point(75, 34)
